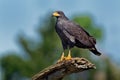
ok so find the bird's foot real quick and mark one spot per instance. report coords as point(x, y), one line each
point(61, 58)
point(69, 56)
point(65, 58)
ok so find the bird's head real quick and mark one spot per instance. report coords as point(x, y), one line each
point(58, 14)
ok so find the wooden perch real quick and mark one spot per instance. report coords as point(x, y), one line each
point(63, 68)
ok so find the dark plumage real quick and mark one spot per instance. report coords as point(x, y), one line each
point(72, 34)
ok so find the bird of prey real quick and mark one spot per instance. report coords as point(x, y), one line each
point(72, 34)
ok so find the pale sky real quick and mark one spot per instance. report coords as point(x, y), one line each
point(18, 16)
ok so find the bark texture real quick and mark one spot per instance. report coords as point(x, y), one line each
point(59, 70)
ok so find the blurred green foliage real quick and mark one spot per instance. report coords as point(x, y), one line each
point(41, 53)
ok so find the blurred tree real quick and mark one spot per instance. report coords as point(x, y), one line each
point(47, 50)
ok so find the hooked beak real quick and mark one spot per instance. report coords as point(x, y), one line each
point(55, 14)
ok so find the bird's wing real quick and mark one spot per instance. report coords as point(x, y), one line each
point(79, 33)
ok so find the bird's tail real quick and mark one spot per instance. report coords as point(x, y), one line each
point(94, 50)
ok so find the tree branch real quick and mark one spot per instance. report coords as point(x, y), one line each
point(63, 68)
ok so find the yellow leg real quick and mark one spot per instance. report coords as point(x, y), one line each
point(69, 55)
point(62, 57)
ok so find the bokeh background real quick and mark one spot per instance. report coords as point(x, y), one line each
point(29, 43)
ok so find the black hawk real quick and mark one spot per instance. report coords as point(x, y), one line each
point(72, 34)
